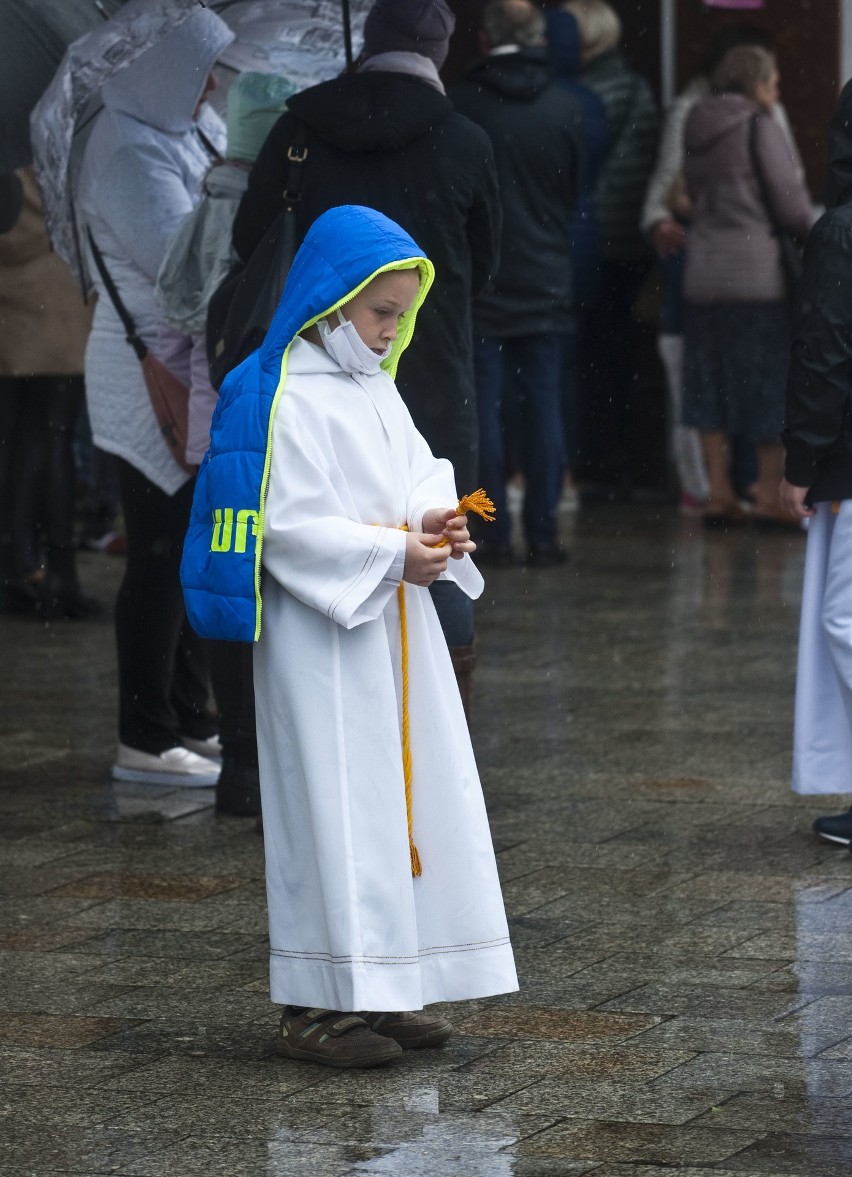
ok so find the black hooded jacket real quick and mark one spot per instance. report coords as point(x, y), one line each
point(536, 129)
point(818, 430)
point(394, 143)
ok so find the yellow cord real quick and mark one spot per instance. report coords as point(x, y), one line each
point(480, 504)
point(407, 770)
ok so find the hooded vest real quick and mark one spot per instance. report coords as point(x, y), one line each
point(220, 571)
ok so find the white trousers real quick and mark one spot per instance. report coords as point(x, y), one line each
point(687, 455)
point(822, 739)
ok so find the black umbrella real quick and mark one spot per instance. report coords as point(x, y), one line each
point(36, 34)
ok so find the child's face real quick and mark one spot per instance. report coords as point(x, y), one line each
point(376, 311)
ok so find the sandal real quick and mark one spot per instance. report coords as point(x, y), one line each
point(413, 1031)
point(332, 1038)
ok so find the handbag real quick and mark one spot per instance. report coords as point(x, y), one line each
point(169, 396)
point(242, 306)
point(789, 249)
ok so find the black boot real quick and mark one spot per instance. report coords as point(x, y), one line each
point(238, 788)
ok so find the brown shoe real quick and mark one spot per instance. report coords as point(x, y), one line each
point(332, 1038)
point(411, 1030)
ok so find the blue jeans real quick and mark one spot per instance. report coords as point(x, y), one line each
point(533, 364)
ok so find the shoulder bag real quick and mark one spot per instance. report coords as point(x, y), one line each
point(169, 396)
point(791, 254)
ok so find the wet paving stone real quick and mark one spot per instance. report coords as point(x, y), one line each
point(682, 938)
point(163, 888)
point(53, 1030)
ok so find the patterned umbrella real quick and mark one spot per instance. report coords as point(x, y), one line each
point(35, 36)
point(298, 38)
point(306, 40)
point(65, 113)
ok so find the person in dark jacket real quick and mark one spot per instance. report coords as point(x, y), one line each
point(520, 320)
point(817, 485)
point(566, 53)
point(387, 137)
point(608, 442)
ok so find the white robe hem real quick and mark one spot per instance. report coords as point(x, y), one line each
point(455, 975)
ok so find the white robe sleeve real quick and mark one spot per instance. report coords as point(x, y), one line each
point(327, 560)
point(433, 484)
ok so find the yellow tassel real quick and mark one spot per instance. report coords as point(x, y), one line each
point(835, 507)
point(416, 868)
point(479, 503)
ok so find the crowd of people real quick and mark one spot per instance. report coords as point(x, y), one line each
point(537, 187)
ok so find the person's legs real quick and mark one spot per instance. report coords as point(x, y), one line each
point(149, 612)
point(12, 398)
point(29, 465)
point(687, 454)
point(190, 694)
point(572, 396)
point(538, 362)
point(770, 466)
point(61, 596)
point(606, 434)
point(455, 613)
point(238, 787)
point(488, 359)
point(717, 462)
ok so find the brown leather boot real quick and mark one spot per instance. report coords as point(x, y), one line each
point(464, 663)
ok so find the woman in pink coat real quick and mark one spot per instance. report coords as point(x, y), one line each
point(743, 184)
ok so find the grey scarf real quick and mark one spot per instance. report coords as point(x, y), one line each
point(400, 61)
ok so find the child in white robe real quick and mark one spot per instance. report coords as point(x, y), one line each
point(382, 885)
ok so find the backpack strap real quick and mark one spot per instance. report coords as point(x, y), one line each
point(297, 153)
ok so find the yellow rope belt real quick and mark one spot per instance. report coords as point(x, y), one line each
point(480, 504)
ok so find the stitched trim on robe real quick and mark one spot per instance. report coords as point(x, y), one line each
point(389, 960)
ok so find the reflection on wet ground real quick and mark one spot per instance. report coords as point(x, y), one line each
point(683, 940)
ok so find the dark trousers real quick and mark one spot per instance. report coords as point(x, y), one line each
point(38, 415)
point(163, 684)
point(533, 365)
point(232, 677)
point(607, 440)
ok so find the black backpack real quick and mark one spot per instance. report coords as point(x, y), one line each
point(241, 308)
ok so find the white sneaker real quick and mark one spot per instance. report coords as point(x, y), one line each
point(177, 766)
point(210, 749)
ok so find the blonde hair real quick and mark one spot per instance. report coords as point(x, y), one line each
point(742, 70)
point(513, 22)
point(599, 25)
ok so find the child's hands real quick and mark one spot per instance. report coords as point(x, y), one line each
point(424, 563)
point(452, 527)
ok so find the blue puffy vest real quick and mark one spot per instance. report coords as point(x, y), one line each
point(344, 249)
